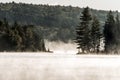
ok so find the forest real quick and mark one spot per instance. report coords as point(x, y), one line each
point(57, 23)
point(24, 27)
point(89, 35)
point(19, 38)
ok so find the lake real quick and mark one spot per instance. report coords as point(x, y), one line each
point(43, 66)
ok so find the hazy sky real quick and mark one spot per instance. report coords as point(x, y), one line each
point(96, 4)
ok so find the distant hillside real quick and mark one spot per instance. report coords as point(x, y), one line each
point(54, 22)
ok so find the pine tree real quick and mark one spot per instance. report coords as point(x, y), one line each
point(6, 26)
point(109, 35)
point(117, 33)
point(1, 27)
point(83, 31)
point(20, 38)
point(95, 34)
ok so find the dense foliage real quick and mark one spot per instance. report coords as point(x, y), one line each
point(19, 38)
point(83, 32)
point(112, 33)
point(88, 33)
point(55, 22)
point(96, 35)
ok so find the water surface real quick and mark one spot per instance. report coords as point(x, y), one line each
point(42, 66)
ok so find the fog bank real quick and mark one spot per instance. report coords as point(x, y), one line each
point(61, 47)
point(26, 66)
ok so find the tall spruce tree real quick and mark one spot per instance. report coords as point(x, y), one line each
point(117, 33)
point(83, 31)
point(109, 34)
point(95, 34)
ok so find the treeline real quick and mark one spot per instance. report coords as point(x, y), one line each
point(19, 38)
point(57, 22)
point(112, 33)
point(89, 35)
point(52, 20)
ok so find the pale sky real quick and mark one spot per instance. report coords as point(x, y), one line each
point(96, 4)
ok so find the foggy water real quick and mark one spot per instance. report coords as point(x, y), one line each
point(42, 66)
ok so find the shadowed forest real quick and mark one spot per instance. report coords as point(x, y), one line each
point(89, 35)
point(19, 38)
point(24, 27)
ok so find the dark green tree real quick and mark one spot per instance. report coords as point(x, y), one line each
point(117, 32)
point(83, 31)
point(95, 34)
point(6, 26)
point(1, 27)
point(109, 34)
point(20, 38)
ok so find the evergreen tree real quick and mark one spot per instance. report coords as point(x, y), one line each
point(95, 34)
point(83, 31)
point(20, 38)
point(109, 35)
point(117, 33)
point(43, 45)
point(6, 26)
point(1, 27)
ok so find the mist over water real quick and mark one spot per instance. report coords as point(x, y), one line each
point(63, 64)
point(66, 48)
point(45, 66)
point(61, 47)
